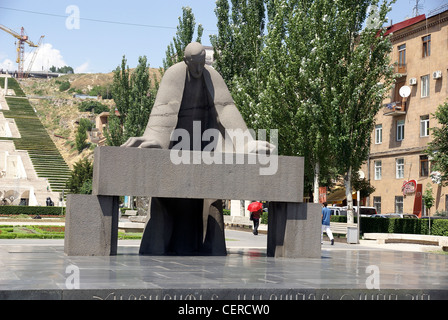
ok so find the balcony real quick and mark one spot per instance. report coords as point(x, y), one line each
point(400, 69)
point(396, 108)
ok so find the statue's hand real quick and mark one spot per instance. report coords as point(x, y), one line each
point(260, 147)
point(141, 142)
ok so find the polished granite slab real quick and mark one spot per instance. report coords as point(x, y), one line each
point(39, 269)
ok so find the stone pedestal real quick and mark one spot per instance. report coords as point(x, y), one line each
point(91, 225)
point(294, 230)
point(185, 218)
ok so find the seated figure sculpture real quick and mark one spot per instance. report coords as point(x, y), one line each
point(191, 95)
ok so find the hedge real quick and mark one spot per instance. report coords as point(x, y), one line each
point(439, 227)
point(31, 210)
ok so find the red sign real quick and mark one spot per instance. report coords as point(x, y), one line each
point(409, 187)
point(322, 194)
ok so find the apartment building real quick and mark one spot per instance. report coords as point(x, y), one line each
point(397, 166)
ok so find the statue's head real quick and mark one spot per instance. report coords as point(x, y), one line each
point(194, 57)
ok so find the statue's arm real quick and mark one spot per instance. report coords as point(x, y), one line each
point(163, 118)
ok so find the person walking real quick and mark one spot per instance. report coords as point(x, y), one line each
point(256, 220)
point(326, 213)
point(255, 209)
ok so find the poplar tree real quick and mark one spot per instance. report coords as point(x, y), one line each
point(320, 79)
point(239, 41)
point(134, 95)
point(184, 35)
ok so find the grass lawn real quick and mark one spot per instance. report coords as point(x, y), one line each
point(47, 232)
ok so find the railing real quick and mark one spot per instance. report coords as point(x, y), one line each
point(400, 68)
point(395, 108)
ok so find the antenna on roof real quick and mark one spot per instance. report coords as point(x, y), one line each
point(416, 8)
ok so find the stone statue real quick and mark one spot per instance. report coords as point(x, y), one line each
point(191, 95)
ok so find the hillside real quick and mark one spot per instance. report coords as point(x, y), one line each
point(58, 110)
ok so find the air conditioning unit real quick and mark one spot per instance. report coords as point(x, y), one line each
point(437, 74)
point(412, 81)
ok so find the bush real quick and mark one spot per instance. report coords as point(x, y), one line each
point(64, 86)
point(397, 225)
point(89, 105)
point(31, 210)
point(439, 227)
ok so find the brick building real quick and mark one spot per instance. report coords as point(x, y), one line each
point(397, 160)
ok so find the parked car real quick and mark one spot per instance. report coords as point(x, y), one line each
point(364, 211)
point(336, 211)
point(396, 215)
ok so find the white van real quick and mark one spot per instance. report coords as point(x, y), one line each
point(337, 211)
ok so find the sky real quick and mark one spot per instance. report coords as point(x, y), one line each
point(108, 30)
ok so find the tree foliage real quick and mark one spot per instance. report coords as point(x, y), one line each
point(316, 75)
point(184, 35)
point(64, 69)
point(80, 181)
point(81, 135)
point(134, 94)
point(438, 148)
point(239, 41)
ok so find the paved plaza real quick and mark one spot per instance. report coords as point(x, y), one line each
point(39, 269)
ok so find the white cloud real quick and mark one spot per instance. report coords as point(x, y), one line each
point(8, 64)
point(46, 57)
point(83, 68)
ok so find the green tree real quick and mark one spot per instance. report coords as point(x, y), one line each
point(81, 135)
point(134, 96)
point(428, 200)
point(121, 88)
point(114, 130)
point(64, 69)
point(319, 78)
point(365, 77)
point(80, 181)
point(237, 46)
point(437, 149)
point(184, 35)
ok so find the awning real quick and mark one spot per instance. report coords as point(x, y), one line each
point(338, 194)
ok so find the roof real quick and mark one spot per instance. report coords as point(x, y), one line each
point(404, 24)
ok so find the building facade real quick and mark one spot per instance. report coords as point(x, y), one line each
point(397, 166)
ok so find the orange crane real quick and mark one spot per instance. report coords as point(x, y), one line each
point(22, 39)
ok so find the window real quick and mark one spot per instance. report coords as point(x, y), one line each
point(377, 170)
point(402, 55)
point(377, 204)
point(426, 46)
point(378, 133)
point(425, 85)
point(424, 166)
point(399, 204)
point(400, 130)
point(424, 126)
point(399, 168)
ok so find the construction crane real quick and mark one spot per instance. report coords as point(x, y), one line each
point(22, 39)
point(33, 57)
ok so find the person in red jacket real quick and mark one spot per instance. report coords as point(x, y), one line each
point(255, 217)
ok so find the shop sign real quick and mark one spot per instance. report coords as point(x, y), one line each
point(409, 187)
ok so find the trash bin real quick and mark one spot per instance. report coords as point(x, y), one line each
point(352, 235)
